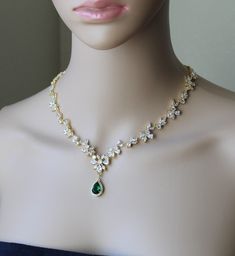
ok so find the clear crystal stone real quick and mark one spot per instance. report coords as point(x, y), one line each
point(93, 161)
point(171, 114)
point(120, 143)
point(177, 112)
point(133, 140)
point(99, 167)
point(53, 106)
point(161, 122)
point(117, 150)
point(150, 126)
point(129, 144)
point(150, 136)
point(111, 152)
point(76, 140)
point(105, 159)
point(68, 132)
point(60, 120)
point(91, 150)
point(66, 121)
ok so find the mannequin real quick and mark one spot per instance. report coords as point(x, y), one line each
point(174, 196)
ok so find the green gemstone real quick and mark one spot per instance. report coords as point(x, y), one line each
point(97, 188)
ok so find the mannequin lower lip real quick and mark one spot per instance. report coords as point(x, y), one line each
point(100, 14)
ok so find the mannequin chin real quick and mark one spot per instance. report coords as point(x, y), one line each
point(109, 34)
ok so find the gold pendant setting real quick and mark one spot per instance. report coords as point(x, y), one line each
point(97, 188)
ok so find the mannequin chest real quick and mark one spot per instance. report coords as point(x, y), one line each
point(168, 198)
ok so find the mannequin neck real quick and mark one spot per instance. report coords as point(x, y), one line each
point(136, 77)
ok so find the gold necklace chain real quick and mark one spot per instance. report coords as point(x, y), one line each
point(101, 162)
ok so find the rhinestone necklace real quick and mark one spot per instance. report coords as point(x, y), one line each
point(101, 162)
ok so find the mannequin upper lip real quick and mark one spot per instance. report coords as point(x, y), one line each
point(97, 4)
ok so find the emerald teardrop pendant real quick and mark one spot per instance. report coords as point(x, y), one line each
point(97, 188)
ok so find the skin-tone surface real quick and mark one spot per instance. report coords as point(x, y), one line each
point(173, 196)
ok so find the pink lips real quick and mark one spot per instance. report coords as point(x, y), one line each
point(100, 10)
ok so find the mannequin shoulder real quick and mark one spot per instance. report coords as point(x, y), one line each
point(217, 102)
point(12, 120)
point(9, 137)
point(216, 95)
point(10, 129)
point(26, 129)
point(216, 108)
point(25, 122)
point(27, 115)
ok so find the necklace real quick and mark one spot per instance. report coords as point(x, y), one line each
point(101, 162)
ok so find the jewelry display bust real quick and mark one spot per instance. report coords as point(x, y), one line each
point(173, 196)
